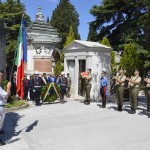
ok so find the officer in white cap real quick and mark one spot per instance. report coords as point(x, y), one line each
point(37, 83)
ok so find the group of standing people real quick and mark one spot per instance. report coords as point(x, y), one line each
point(133, 86)
point(33, 86)
point(120, 80)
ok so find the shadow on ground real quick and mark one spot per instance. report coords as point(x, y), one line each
point(10, 124)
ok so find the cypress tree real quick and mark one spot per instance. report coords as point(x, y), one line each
point(130, 59)
point(106, 42)
point(70, 37)
point(64, 16)
point(58, 68)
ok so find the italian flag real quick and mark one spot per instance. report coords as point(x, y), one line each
point(20, 64)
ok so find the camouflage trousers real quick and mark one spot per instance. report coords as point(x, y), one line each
point(133, 95)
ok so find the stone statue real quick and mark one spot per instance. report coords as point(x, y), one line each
point(2, 46)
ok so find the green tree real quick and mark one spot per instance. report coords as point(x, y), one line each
point(11, 11)
point(58, 68)
point(48, 20)
point(70, 37)
point(92, 35)
point(106, 42)
point(124, 22)
point(64, 16)
point(130, 60)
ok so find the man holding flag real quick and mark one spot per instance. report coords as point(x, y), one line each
point(21, 58)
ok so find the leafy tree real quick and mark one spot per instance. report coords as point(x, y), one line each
point(124, 22)
point(70, 38)
point(106, 42)
point(11, 11)
point(64, 16)
point(130, 60)
point(58, 68)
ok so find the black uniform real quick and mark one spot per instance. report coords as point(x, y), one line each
point(37, 82)
point(13, 87)
point(26, 88)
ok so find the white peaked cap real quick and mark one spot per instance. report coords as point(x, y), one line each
point(62, 72)
point(104, 70)
point(36, 72)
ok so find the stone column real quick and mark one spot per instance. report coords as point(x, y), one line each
point(89, 62)
point(65, 66)
point(76, 76)
point(2, 46)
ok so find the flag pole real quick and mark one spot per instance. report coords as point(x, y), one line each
point(11, 72)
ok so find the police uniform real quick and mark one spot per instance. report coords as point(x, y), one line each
point(147, 92)
point(37, 82)
point(120, 90)
point(134, 91)
point(26, 88)
point(104, 90)
point(88, 87)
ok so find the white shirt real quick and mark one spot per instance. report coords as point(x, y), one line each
point(3, 94)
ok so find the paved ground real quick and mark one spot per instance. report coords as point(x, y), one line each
point(74, 126)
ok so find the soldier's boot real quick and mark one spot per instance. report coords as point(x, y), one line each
point(133, 111)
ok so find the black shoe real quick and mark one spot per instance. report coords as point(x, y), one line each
point(87, 103)
point(2, 143)
point(148, 110)
point(38, 104)
point(132, 112)
point(2, 132)
point(103, 106)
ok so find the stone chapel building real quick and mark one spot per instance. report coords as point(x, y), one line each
point(42, 39)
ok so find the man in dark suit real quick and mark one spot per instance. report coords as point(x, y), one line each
point(13, 85)
point(31, 87)
point(26, 87)
point(37, 82)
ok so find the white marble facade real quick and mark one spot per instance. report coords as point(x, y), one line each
point(96, 56)
point(42, 39)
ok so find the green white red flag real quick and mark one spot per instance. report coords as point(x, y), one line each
point(20, 59)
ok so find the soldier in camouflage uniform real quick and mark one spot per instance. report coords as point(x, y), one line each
point(147, 90)
point(134, 86)
point(120, 81)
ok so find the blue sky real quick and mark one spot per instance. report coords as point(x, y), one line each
point(82, 7)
